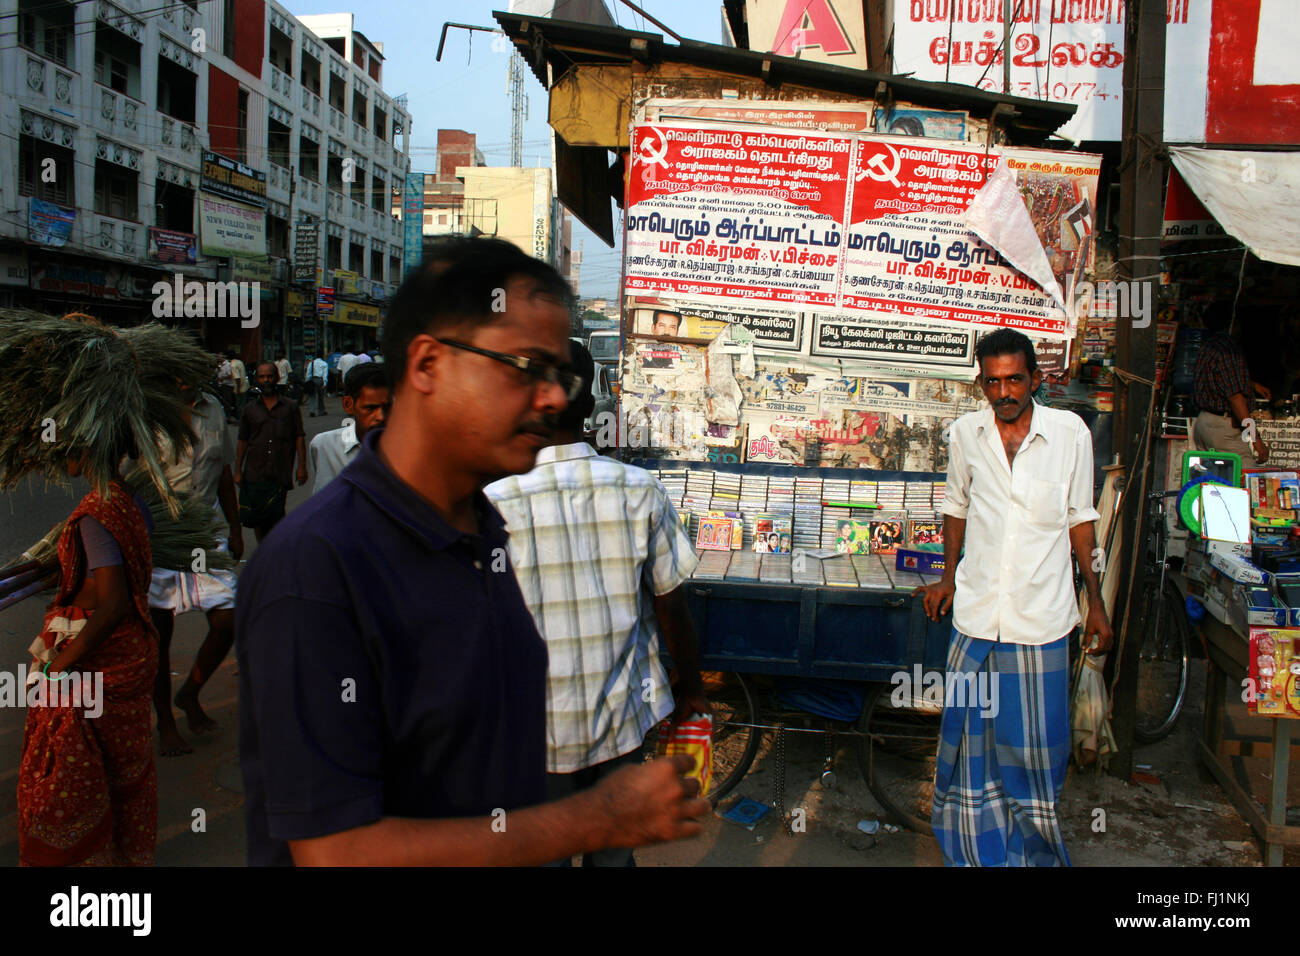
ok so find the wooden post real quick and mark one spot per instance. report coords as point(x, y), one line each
point(1141, 216)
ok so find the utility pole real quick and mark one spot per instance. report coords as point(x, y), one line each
point(1141, 215)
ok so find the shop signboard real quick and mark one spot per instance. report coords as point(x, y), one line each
point(1185, 217)
point(325, 301)
point(823, 31)
point(231, 179)
point(356, 313)
point(412, 223)
point(48, 224)
point(14, 268)
point(112, 283)
point(306, 245)
point(254, 270)
point(346, 283)
point(168, 245)
point(231, 228)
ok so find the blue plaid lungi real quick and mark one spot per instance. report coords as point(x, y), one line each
point(1001, 769)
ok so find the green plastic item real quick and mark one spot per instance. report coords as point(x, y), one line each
point(1190, 497)
point(1224, 466)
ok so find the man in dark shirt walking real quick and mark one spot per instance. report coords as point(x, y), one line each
point(271, 437)
point(392, 682)
point(1223, 390)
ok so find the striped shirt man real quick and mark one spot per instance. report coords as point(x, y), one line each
point(593, 543)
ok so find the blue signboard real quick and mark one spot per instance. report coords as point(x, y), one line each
point(49, 224)
point(412, 223)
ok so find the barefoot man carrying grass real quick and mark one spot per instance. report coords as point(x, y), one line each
point(203, 470)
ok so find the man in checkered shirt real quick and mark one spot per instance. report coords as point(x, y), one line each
point(1223, 390)
point(601, 557)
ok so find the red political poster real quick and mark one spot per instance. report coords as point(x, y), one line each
point(722, 212)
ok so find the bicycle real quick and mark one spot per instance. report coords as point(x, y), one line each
point(1164, 655)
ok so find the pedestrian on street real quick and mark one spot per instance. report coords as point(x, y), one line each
point(284, 368)
point(317, 374)
point(241, 381)
point(204, 470)
point(392, 683)
point(87, 782)
point(601, 556)
point(1222, 388)
point(226, 386)
point(1020, 479)
point(346, 361)
point(271, 439)
point(366, 400)
point(334, 385)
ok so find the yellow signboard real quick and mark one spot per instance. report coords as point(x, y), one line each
point(356, 313)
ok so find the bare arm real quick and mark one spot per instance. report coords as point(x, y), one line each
point(230, 508)
point(1097, 633)
point(300, 450)
point(112, 604)
point(938, 596)
point(640, 805)
point(679, 636)
point(240, 448)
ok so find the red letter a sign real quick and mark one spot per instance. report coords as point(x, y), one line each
point(810, 23)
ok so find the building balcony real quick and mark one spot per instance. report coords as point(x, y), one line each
point(117, 238)
point(361, 136)
point(180, 18)
point(278, 181)
point(177, 135)
point(338, 122)
point(48, 81)
point(311, 102)
point(282, 85)
point(334, 204)
point(117, 114)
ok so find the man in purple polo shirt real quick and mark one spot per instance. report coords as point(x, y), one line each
point(392, 682)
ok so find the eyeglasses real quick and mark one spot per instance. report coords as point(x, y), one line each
point(535, 370)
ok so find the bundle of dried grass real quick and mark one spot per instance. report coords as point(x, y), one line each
point(73, 386)
point(195, 527)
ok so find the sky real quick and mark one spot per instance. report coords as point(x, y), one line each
point(467, 89)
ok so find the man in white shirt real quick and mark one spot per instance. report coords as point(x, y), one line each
point(346, 361)
point(366, 400)
point(1019, 496)
point(317, 375)
point(601, 557)
point(283, 367)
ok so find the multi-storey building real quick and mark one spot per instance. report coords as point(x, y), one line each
point(445, 212)
point(139, 141)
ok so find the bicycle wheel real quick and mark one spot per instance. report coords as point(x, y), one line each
point(898, 756)
point(735, 739)
point(1162, 666)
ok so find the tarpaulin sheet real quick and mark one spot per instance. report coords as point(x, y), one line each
point(1254, 195)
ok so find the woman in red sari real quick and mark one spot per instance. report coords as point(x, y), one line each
point(87, 786)
point(78, 395)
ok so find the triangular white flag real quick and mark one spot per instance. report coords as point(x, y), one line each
point(998, 215)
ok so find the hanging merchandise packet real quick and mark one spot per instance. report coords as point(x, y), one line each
point(693, 736)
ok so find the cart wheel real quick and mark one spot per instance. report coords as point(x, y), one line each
point(898, 756)
point(735, 739)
